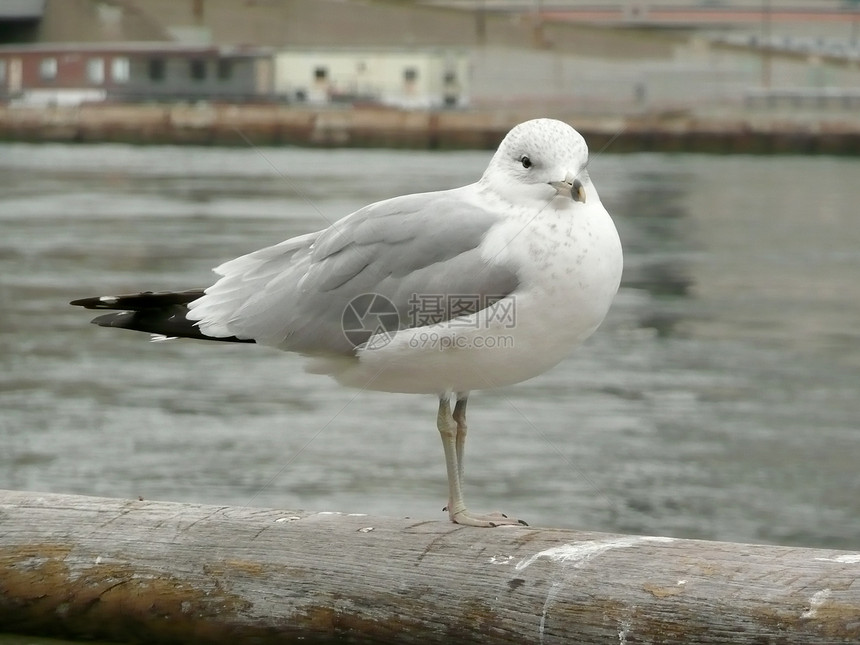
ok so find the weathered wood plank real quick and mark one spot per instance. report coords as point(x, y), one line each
point(183, 573)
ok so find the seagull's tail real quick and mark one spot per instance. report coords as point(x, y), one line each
point(160, 313)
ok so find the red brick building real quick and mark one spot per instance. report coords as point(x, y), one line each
point(73, 72)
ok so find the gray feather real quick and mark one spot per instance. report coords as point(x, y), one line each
point(402, 248)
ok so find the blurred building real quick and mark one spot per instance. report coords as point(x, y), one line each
point(20, 20)
point(402, 78)
point(71, 73)
point(608, 58)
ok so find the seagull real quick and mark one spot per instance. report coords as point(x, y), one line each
point(442, 293)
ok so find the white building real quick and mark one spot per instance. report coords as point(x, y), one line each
point(421, 78)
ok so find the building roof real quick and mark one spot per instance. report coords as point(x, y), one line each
point(126, 47)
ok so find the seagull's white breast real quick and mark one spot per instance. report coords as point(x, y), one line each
point(569, 261)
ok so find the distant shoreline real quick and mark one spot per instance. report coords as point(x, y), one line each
point(377, 127)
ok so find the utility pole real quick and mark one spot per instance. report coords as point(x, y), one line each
point(537, 24)
point(766, 44)
point(481, 23)
point(856, 14)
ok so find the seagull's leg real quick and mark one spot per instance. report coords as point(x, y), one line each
point(459, 417)
point(452, 429)
point(448, 431)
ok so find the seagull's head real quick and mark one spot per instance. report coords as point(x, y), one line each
point(541, 159)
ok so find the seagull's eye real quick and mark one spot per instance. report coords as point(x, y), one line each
point(525, 161)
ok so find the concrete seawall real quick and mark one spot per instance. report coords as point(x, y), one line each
point(269, 124)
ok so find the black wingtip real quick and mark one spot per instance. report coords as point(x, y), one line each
point(169, 321)
point(163, 313)
point(83, 302)
point(121, 319)
point(100, 302)
point(139, 301)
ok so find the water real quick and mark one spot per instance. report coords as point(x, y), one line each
point(719, 400)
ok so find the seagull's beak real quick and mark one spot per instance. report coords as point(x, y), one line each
point(570, 187)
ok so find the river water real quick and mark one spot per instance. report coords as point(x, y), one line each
point(719, 400)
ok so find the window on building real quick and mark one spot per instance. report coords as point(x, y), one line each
point(120, 70)
point(96, 70)
point(410, 74)
point(225, 70)
point(48, 69)
point(320, 74)
point(2, 71)
point(156, 69)
point(197, 69)
point(450, 78)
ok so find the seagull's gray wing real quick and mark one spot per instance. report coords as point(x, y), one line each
point(421, 252)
